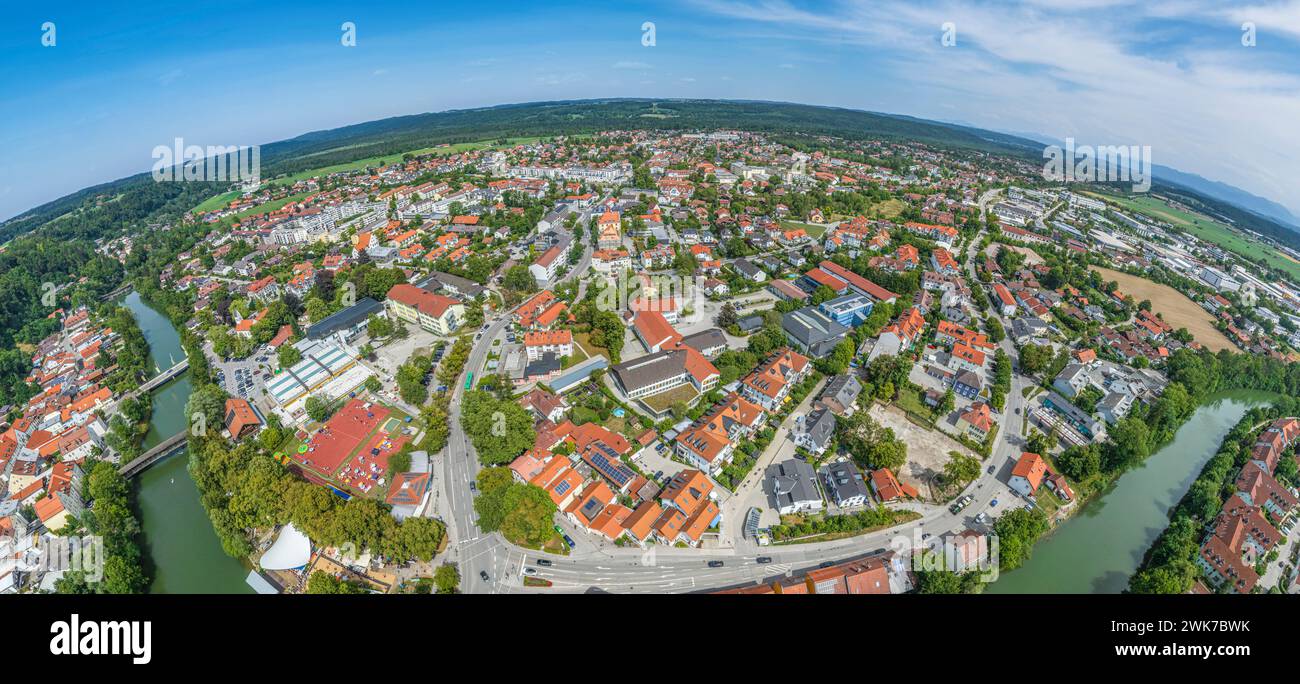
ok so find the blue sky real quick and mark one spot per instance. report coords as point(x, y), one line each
point(1172, 74)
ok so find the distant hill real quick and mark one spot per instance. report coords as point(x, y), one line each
point(401, 134)
point(1228, 193)
point(1242, 200)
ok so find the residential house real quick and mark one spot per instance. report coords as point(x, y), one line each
point(792, 485)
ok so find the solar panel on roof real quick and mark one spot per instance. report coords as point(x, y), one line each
point(604, 458)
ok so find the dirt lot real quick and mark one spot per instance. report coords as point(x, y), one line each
point(1031, 257)
point(927, 450)
point(1173, 306)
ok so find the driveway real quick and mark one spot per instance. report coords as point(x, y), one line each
point(750, 492)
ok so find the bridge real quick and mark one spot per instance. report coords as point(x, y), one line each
point(163, 377)
point(163, 449)
point(156, 381)
point(123, 289)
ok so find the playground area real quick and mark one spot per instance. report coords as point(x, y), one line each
point(352, 449)
point(369, 466)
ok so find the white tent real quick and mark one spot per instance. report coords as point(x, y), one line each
point(292, 549)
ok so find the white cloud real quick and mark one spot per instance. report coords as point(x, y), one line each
point(1082, 69)
point(639, 66)
point(554, 79)
point(1268, 18)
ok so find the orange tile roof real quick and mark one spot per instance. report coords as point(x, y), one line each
point(422, 300)
point(978, 414)
point(547, 337)
point(887, 486)
point(1032, 467)
point(655, 329)
point(871, 289)
point(643, 519)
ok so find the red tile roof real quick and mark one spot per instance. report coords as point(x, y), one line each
point(422, 300)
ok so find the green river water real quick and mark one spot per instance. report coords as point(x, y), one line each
point(184, 554)
point(1096, 550)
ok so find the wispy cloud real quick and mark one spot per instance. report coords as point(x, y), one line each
point(1084, 69)
point(639, 66)
point(170, 77)
point(555, 79)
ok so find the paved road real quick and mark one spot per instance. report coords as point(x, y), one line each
point(664, 569)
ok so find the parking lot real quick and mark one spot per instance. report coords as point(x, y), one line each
point(652, 461)
point(244, 377)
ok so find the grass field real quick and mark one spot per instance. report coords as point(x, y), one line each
point(889, 209)
point(396, 157)
point(218, 202)
point(583, 340)
point(1207, 229)
point(222, 200)
point(1173, 306)
point(814, 230)
point(265, 208)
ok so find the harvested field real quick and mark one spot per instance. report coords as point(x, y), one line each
point(1173, 306)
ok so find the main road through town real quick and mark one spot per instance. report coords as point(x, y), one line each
point(662, 569)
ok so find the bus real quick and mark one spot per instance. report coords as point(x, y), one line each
point(469, 380)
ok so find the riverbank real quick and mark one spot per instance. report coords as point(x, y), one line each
point(1169, 565)
point(1099, 547)
point(182, 553)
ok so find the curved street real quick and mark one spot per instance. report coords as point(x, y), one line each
point(660, 569)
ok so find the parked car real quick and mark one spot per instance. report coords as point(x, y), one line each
point(993, 503)
point(569, 540)
point(991, 469)
point(473, 487)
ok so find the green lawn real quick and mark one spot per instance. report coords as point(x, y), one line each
point(218, 202)
point(262, 208)
point(222, 200)
point(665, 400)
point(1047, 501)
point(395, 157)
point(814, 230)
point(1206, 229)
point(589, 349)
point(889, 209)
point(912, 400)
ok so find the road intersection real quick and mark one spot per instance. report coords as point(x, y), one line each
point(661, 569)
